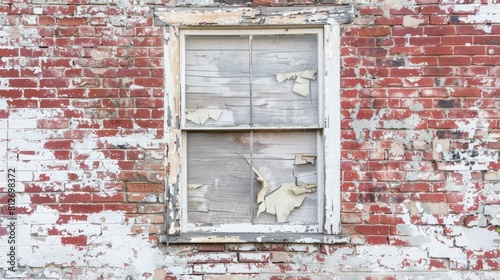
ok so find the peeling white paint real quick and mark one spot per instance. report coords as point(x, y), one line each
point(477, 238)
point(411, 21)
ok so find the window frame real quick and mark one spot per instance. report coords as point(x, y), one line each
point(186, 18)
point(244, 227)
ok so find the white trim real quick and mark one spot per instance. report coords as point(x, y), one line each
point(332, 129)
point(182, 75)
point(183, 188)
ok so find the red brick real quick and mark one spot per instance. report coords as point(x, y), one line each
point(437, 71)
point(10, 93)
point(56, 62)
point(22, 103)
point(484, 264)
point(145, 187)
point(148, 62)
point(83, 208)
point(487, 40)
point(425, 41)
point(149, 82)
point(211, 248)
point(439, 30)
point(5, 9)
point(390, 62)
point(373, 229)
point(486, 60)
point(357, 41)
point(430, 197)
point(404, 72)
point(118, 123)
point(433, 9)
point(74, 240)
point(472, 71)
point(375, 31)
point(423, 60)
point(147, 41)
point(99, 93)
point(75, 198)
point(391, 20)
point(9, 52)
point(438, 19)
point(437, 50)
point(53, 123)
point(149, 103)
point(59, 9)
point(367, 10)
point(472, 50)
point(56, 103)
point(418, 82)
point(87, 42)
point(43, 198)
point(471, 30)
point(118, 197)
point(466, 92)
point(72, 21)
point(62, 155)
point(405, 31)
point(405, 11)
point(23, 83)
point(58, 144)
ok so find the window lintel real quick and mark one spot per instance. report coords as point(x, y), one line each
point(254, 16)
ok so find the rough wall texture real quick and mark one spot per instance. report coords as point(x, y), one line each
point(81, 122)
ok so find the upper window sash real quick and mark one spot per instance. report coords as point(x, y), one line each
point(228, 94)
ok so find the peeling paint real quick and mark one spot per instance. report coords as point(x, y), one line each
point(412, 21)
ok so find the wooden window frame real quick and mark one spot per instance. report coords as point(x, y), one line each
point(329, 19)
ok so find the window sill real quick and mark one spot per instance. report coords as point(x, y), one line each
point(297, 238)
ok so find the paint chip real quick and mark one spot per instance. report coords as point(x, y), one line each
point(302, 80)
point(283, 200)
point(200, 116)
point(193, 186)
point(305, 159)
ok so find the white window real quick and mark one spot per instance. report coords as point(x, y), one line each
point(253, 120)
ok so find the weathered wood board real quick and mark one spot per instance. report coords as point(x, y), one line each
point(238, 75)
point(220, 166)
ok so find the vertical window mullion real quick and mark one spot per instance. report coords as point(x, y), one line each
point(252, 176)
point(250, 73)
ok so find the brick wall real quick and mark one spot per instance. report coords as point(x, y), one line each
point(81, 121)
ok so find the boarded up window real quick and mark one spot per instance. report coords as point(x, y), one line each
point(253, 123)
point(252, 128)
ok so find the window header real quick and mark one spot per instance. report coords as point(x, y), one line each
point(252, 16)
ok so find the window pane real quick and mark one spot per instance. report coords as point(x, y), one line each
point(227, 172)
point(217, 81)
point(274, 157)
point(218, 178)
point(284, 82)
